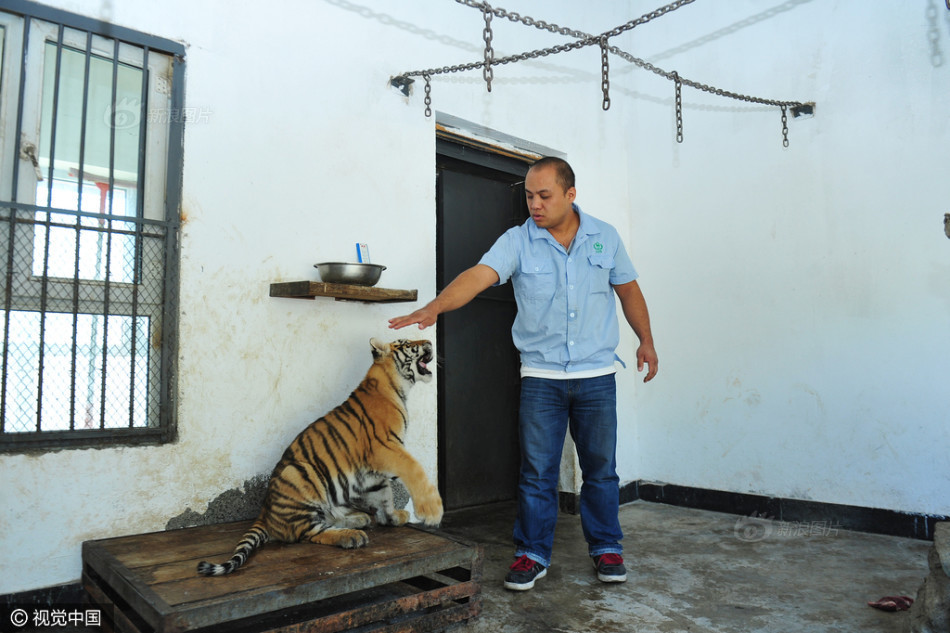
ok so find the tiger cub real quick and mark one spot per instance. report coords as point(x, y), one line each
point(334, 477)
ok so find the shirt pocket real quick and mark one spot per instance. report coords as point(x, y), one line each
point(537, 279)
point(600, 267)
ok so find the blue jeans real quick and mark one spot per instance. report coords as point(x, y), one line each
point(588, 406)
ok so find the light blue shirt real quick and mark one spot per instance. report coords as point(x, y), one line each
point(567, 316)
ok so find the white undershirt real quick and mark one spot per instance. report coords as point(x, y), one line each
point(560, 374)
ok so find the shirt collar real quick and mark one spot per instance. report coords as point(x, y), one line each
point(587, 226)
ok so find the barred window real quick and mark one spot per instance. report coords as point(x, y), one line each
point(90, 177)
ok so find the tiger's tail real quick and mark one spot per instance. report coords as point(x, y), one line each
point(254, 539)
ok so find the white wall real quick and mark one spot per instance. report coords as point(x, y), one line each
point(799, 295)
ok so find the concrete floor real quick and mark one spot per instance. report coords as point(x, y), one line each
point(698, 571)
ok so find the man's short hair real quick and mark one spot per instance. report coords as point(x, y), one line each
point(565, 175)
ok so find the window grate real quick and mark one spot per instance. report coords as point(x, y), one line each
point(89, 198)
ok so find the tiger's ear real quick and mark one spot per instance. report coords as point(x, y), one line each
point(379, 348)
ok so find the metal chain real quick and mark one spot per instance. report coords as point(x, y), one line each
point(585, 39)
point(428, 99)
point(643, 19)
point(604, 72)
point(553, 28)
point(704, 87)
point(784, 128)
point(679, 106)
point(487, 72)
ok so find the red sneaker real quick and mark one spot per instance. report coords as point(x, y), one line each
point(610, 568)
point(523, 573)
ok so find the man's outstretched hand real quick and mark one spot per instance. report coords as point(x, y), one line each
point(423, 316)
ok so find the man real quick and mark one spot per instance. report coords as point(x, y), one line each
point(566, 267)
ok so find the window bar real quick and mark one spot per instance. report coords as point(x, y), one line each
point(7, 301)
point(143, 124)
point(79, 186)
point(108, 233)
point(138, 249)
point(44, 280)
point(167, 329)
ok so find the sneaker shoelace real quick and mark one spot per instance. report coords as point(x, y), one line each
point(523, 564)
point(611, 559)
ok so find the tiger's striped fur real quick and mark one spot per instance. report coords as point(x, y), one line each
point(334, 478)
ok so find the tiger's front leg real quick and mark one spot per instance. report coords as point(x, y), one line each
point(425, 497)
point(428, 506)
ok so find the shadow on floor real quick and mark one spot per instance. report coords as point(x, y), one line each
point(698, 571)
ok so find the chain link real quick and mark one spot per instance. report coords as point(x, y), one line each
point(487, 72)
point(428, 99)
point(784, 128)
point(604, 72)
point(678, 100)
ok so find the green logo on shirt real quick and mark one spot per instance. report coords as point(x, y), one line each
point(598, 247)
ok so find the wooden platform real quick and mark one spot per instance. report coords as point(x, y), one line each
point(406, 579)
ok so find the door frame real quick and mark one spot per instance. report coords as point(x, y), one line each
point(449, 150)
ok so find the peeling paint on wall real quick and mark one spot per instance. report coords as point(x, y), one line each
point(232, 505)
point(235, 505)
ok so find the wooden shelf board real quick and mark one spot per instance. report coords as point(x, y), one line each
point(340, 292)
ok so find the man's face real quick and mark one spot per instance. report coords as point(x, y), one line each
point(548, 203)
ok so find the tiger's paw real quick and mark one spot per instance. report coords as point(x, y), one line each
point(353, 539)
point(430, 511)
point(397, 518)
point(347, 539)
point(357, 520)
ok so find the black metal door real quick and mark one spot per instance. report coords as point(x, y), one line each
point(480, 196)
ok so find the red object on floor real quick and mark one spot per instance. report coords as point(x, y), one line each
point(893, 603)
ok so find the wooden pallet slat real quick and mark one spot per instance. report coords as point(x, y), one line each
point(406, 577)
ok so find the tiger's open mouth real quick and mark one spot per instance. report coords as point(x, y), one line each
point(422, 364)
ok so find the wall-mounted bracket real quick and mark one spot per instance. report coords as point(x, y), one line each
point(402, 83)
point(803, 110)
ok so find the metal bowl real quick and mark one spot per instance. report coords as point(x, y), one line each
point(359, 274)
